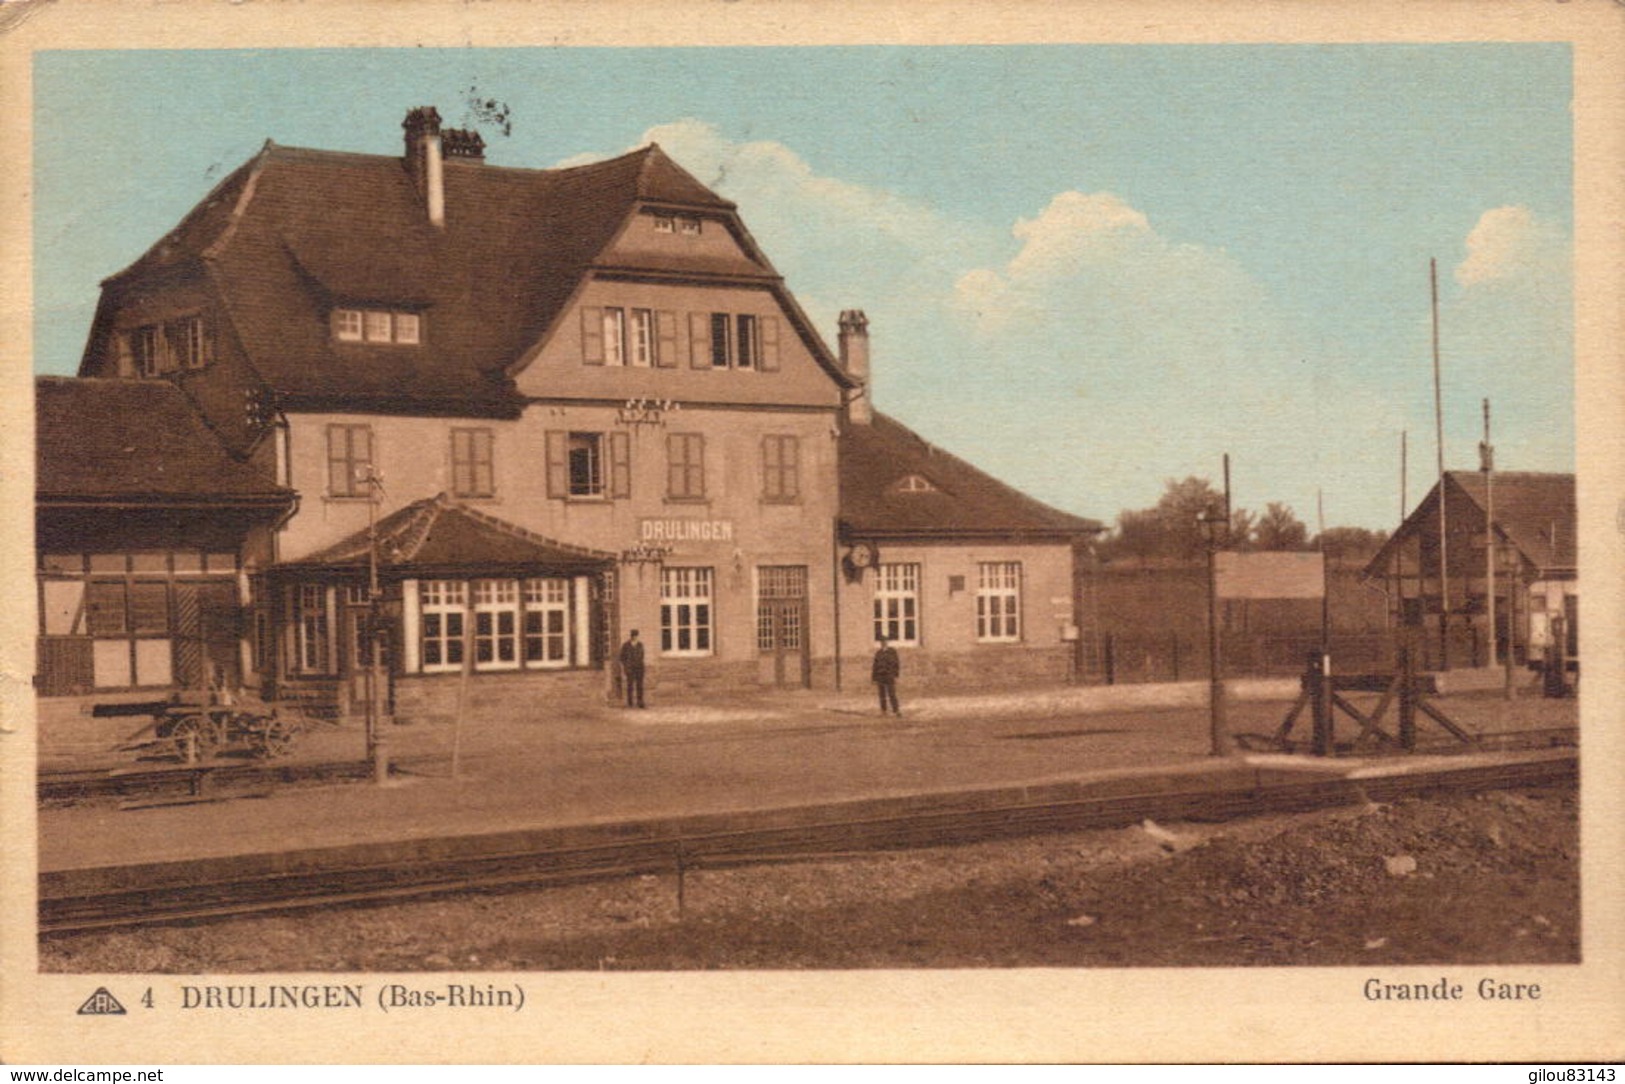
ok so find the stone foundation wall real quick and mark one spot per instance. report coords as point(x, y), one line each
point(423, 699)
point(928, 674)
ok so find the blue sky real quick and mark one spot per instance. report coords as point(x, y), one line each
point(1088, 269)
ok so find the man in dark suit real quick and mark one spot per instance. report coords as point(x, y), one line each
point(884, 674)
point(632, 669)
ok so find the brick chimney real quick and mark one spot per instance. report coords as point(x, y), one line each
point(463, 144)
point(854, 349)
point(423, 162)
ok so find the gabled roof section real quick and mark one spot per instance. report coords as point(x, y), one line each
point(439, 534)
point(1535, 511)
point(663, 180)
point(135, 442)
point(876, 459)
point(295, 232)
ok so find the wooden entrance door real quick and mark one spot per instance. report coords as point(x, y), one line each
point(781, 626)
point(206, 636)
point(356, 659)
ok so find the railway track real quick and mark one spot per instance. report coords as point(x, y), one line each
point(191, 779)
point(684, 844)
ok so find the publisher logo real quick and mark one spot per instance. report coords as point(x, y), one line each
point(101, 1003)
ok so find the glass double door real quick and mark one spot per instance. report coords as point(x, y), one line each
point(784, 654)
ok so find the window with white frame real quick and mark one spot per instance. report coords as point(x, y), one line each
point(496, 624)
point(442, 608)
point(747, 344)
point(735, 341)
point(547, 623)
point(641, 338)
point(347, 325)
point(998, 601)
point(147, 351)
point(156, 349)
point(311, 654)
point(188, 342)
point(378, 326)
point(685, 611)
point(586, 464)
point(897, 603)
point(614, 330)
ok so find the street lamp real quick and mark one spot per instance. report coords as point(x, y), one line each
point(377, 740)
point(1215, 529)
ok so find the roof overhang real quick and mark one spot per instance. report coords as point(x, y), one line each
point(270, 503)
point(925, 536)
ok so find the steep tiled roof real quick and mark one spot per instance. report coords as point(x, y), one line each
point(295, 231)
point(1535, 511)
point(957, 500)
point(440, 534)
point(128, 441)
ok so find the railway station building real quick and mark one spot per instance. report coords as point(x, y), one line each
point(477, 423)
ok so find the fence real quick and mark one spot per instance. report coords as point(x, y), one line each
point(1129, 658)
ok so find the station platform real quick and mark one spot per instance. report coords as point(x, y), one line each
point(749, 756)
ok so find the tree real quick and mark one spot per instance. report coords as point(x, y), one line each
point(1241, 530)
point(1279, 529)
point(1351, 542)
point(1169, 529)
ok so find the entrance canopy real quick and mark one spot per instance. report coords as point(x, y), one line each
point(440, 537)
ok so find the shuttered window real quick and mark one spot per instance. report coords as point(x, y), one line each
point(685, 466)
point(781, 468)
point(349, 460)
point(472, 466)
point(588, 465)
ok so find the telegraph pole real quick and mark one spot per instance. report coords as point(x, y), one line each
point(1486, 463)
point(1438, 429)
point(1219, 733)
point(376, 742)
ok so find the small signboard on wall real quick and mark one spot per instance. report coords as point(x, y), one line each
point(1270, 575)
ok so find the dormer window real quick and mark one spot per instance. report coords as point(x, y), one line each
point(377, 326)
point(146, 351)
point(687, 225)
point(174, 346)
point(347, 325)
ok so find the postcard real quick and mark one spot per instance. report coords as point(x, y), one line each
point(782, 533)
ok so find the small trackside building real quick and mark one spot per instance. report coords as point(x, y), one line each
point(1535, 574)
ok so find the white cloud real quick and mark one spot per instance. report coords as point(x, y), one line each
point(1085, 356)
point(1509, 243)
point(1507, 335)
point(839, 244)
point(1073, 230)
